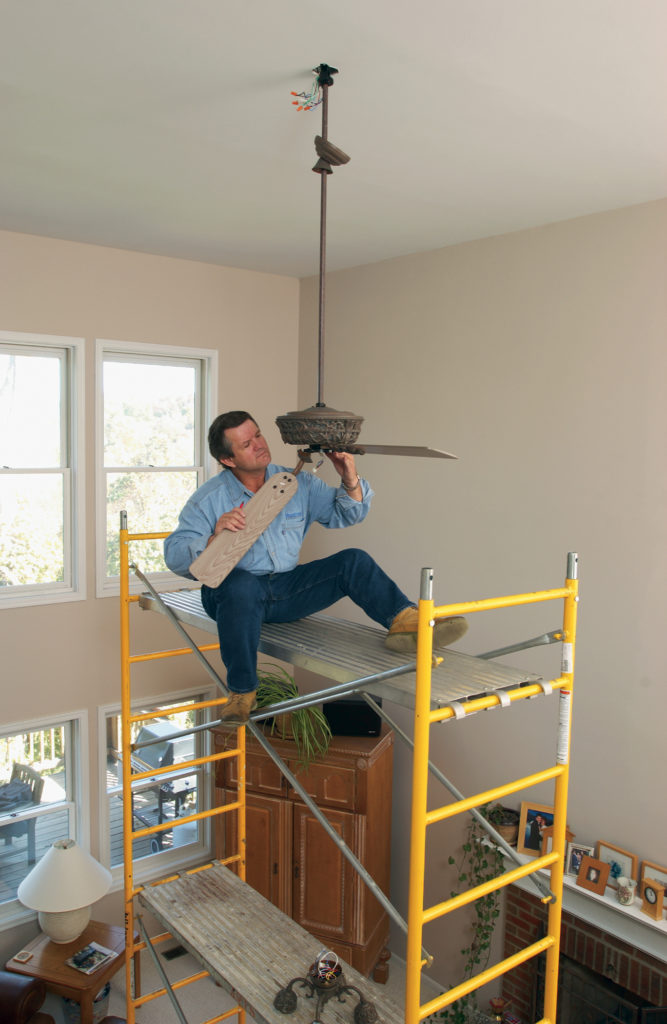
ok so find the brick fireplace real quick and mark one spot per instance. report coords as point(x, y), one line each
point(586, 943)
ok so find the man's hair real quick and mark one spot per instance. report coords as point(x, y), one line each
point(218, 445)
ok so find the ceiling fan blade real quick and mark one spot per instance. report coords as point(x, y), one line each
point(418, 451)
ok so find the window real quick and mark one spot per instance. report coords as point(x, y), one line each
point(154, 409)
point(41, 467)
point(166, 797)
point(40, 794)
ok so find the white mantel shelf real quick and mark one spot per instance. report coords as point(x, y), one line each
point(607, 914)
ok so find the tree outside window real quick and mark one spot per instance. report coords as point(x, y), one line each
point(154, 420)
point(40, 474)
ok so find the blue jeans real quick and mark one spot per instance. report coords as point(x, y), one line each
point(244, 601)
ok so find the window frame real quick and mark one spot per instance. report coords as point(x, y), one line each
point(12, 912)
point(72, 470)
point(205, 404)
point(155, 865)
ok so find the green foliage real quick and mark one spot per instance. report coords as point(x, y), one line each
point(151, 432)
point(31, 532)
point(308, 727)
point(479, 861)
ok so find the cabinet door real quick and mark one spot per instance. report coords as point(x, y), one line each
point(325, 887)
point(268, 841)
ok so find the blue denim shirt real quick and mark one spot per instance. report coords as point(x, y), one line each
point(277, 550)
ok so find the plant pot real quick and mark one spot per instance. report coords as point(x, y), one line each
point(505, 820)
point(508, 832)
point(280, 726)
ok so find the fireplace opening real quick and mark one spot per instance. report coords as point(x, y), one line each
point(585, 997)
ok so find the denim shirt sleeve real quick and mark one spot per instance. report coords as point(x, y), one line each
point(279, 546)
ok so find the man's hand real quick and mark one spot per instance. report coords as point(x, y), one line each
point(233, 520)
point(346, 468)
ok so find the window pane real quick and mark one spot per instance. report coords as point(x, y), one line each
point(33, 778)
point(152, 502)
point(31, 529)
point(163, 799)
point(30, 395)
point(149, 414)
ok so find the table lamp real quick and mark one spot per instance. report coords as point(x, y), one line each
point(62, 887)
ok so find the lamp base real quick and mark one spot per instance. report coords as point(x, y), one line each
point(65, 925)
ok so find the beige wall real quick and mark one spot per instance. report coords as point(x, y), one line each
point(540, 359)
point(57, 658)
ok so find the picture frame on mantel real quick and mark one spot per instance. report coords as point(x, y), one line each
point(593, 875)
point(575, 854)
point(654, 871)
point(548, 839)
point(617, 858)
point(532, 822)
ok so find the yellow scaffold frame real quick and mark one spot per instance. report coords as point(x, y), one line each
point(418, 915)
point(421, 816)
point(134, 943)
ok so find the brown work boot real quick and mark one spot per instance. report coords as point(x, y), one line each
point(402, 635)
point(237, 709)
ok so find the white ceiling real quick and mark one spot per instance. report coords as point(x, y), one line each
point(167, 126)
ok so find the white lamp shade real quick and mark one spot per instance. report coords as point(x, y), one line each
point(66, 878)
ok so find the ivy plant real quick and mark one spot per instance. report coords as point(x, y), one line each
point(479, 861)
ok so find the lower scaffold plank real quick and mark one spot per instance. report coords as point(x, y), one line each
point(250, 947)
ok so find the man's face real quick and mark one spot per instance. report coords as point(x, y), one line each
point(250, 450)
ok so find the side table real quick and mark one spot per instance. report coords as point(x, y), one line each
point(48, 964)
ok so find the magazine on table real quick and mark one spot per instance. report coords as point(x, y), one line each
point(91, 958)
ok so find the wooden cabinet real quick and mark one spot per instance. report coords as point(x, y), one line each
point(290, 858)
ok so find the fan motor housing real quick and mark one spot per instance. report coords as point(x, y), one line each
point(320, 426)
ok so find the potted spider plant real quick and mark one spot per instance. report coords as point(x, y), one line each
point(307, 727)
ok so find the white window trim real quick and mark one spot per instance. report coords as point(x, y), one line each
point(106, 587)
point(13, 912)
point(148, 868)
point(75, 492)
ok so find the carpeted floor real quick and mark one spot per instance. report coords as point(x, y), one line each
point(203, 999)
point(199, 1001)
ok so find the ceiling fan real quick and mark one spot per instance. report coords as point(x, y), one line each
point(321, 428)
point(316, 429)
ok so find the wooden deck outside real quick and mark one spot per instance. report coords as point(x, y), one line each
point(55, 825)
point(14, 853)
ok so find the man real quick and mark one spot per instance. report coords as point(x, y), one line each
point(535, 837)
point(268, 584)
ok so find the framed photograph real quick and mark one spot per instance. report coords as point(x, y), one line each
point(548, 838)
point(654, 871)
point(575, 855)
point(593, 875)
point(621, 862)
point(532, 823)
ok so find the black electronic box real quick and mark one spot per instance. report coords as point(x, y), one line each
point(352, 716)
